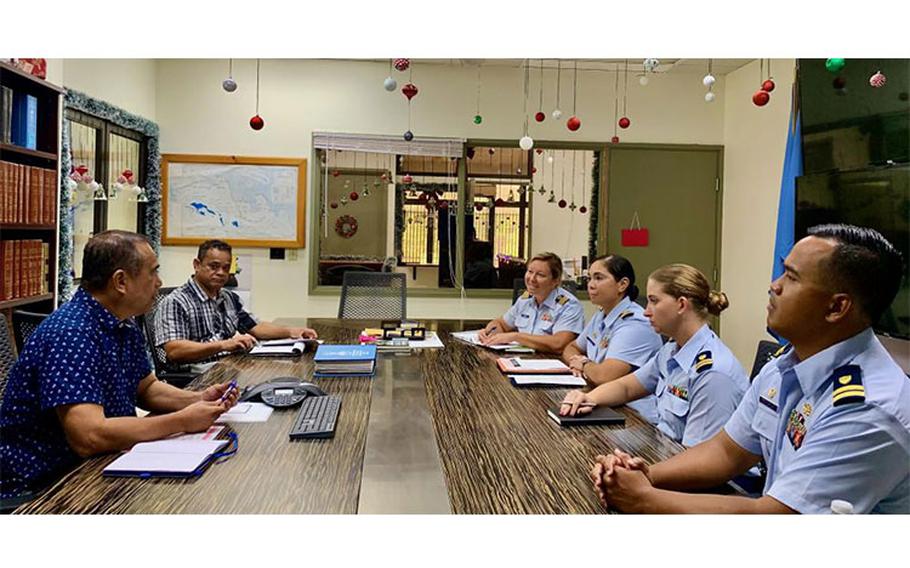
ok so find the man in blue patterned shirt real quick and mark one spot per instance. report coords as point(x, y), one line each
point(201, 322)
point(74, 390)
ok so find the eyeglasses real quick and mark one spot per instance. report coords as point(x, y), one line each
point(217, 266)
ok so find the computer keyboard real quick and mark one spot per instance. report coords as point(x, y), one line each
point(316, 418)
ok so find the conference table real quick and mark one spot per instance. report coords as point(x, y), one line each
point(434, 431)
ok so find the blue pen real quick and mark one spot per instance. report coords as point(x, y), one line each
point(231, 386)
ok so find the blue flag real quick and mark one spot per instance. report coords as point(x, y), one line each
point(786, 210)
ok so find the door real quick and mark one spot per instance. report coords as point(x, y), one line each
point(676, 193)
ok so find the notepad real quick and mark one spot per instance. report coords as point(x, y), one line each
point(600, 415)
point(517, 365)
point(165, 458)
point(546, 381)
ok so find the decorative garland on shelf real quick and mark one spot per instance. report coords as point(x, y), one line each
point(593, 206)
point(106, 111)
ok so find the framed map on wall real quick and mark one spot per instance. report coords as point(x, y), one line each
point(248, 202)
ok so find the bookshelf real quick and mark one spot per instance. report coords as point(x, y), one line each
point(29, 201)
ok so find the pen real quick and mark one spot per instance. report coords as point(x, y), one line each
point(582, 403)
point(231, 386)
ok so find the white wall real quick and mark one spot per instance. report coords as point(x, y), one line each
point(298, 97)
point(755, 139)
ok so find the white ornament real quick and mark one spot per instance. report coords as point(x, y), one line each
point(709, 97)
point(526, 143)
point(390, 84)
point(557, 114)
point(643, 80)
point(708, 80)
point(549, 159)
point(651, 64)
point(229, 85)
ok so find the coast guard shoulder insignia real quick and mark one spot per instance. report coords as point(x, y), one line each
point(626, 314)
point(525, 296)
point(703, 361)
point(848, 385)
point(561, 300)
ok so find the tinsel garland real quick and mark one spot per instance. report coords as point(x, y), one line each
point(593, 207)
point(106, 111)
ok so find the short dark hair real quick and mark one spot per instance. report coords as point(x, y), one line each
point(212, 244)
point(620, 267)
point(864, 264)
point(552, 261)
point(108, 252)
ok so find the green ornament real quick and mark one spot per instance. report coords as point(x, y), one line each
point(478, 119)
point(835, 64)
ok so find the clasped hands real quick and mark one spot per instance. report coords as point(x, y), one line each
point(622, 482)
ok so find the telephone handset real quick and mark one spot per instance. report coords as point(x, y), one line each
point(281, 392)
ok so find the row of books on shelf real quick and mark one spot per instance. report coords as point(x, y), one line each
point(24, 265)
point(28, 194)
point(18, 118)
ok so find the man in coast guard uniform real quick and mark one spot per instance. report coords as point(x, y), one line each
point(560, 311)
point(830, 417)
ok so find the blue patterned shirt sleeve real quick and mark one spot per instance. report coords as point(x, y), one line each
point(69, 369)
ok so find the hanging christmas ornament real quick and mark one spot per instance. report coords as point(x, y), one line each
point(390, 84)
point(573, 123)
point(552, 197)
point(409, 90)
point(615, 102)
point(526, 143)
point(550, 159)
point(491, 151)
point(562, 204)
point(539, 116)
point(539, 151)
point(256, 123)
point(402, 64)
point(624, 122)
point(839, 82)
point(365, 192)
point(878, 80)
point(709, 97)
point(229, 84)
point(708, 80)
point(615, 140)
point(335, 173)
point(333, 205)
point(834, 65)
point(478, 206)
point(557, 114)
point(478, 119)
point(522, 189)
point(761, 98)
point(768, 85)
point(344, 200)
point(533, 170)
point(407, 178)
point(408, 136)
point(582, 209)
point(651, 64)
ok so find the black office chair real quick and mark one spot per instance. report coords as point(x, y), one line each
point(24, 325)
point(163, 371)
point(764, 353)
point(518, 287)
point(373, 295)
point(7, 356)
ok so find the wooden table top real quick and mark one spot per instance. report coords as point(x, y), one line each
point(499, 451)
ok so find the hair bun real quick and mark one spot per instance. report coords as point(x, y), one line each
point(717, 302)
point(632, 292)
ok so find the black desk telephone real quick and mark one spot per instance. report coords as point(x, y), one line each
point(281, 392)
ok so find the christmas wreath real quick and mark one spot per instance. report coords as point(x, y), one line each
point(346, 226)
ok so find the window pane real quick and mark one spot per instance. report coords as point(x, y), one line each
point(83, 140)
point(121, 207)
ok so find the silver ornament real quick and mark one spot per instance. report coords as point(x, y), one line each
point(557, 114)
point(390, 84)
point(229, 85)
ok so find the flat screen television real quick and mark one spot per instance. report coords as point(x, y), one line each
point(878, 198)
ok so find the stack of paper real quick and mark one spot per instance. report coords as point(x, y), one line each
point(518, 365)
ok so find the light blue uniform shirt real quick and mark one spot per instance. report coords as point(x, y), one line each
point(835, 426)
point(560, 311)
point(698, 386)
point(626, 335)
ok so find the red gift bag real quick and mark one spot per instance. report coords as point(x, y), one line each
point(635, 237)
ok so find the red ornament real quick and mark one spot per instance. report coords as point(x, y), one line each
point(573, 123)
point(81, 169)
point(402, 64)
point(539, 117)
point(409, 90)
point(443, 204)
point(562, 204)
point(354, 196)
point(491, 151)
point(767, 86)
point(384, 177)
point(539, 151)
point(333, 205)
point(407, 178)
point(582, 209)
point(499, 202)
point(533, 169)
point(839, 82)
point(479, 206)
point(761, 98)
point(256, 123)
point(624, 122)
point(335, 173)
point(615, 140)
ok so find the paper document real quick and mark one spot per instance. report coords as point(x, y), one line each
point(246, 412)
point(471, 337)
point(547, 380)
point(531, 366)
point(209, 434)
point(432, 341)
point(288, 347)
